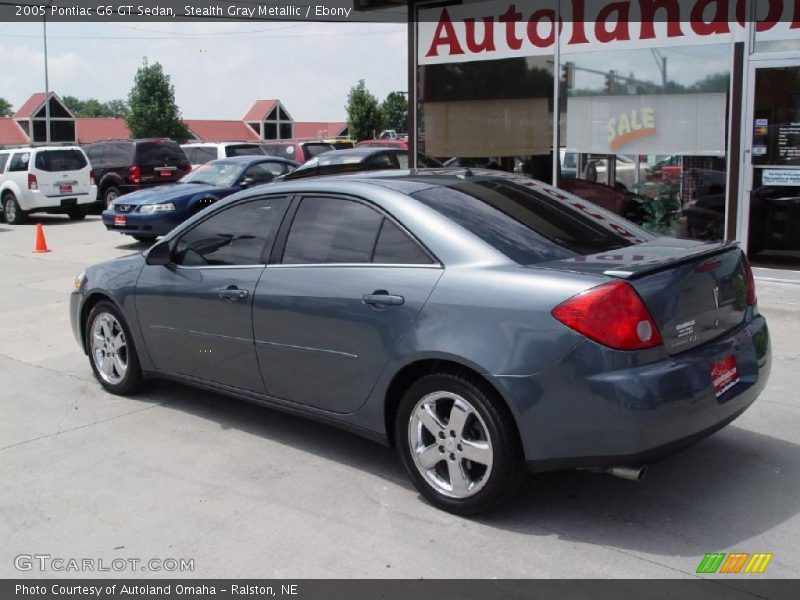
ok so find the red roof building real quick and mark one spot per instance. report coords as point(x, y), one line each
point(11, 134)
point(221, 131)
point(266, 120)
point(96, 129)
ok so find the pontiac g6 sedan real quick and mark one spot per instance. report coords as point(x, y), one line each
point(479, 322)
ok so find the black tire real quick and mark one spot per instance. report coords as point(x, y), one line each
point(507, 468)
point(11, 207)
point(144, 239)
point(132, 379)
point(110, 194)
point(77, 214)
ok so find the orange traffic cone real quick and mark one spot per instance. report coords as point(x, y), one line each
point(41, 244)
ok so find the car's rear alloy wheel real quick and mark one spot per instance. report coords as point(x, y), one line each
point(458, 444)
point(111, 194)
point(450, 444)
point(111, 351)
point(13, 213)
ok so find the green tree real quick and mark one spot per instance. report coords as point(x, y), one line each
point(395, 112)
point(74, 104)
point(5, 108)
point(364, 116)
point(118, 108)
point(153, 112)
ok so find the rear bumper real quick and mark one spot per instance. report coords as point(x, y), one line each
point(139, 224)
point(34, 200)
point(598, 408)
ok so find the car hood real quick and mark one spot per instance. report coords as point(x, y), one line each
point(165, 193)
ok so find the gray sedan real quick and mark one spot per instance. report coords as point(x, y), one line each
point(482, 323)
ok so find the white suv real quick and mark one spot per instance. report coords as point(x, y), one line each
point(203, 152)
point(52, 179)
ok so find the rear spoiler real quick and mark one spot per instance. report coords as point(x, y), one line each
point(649, 269)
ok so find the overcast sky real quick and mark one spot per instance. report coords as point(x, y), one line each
point(218, 69)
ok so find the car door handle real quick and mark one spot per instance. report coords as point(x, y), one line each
point(382, 298)
point(232, 293)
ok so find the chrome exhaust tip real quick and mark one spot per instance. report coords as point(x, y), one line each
point(629, 473)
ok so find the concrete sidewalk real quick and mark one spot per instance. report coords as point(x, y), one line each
point(249, 492)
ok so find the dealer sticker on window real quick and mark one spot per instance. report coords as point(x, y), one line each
point(724, 375)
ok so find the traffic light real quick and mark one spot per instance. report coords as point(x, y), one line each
point(568, 74)
point(611, 82)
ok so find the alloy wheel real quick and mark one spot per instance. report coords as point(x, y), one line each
point(109, 348)
point(450, 444)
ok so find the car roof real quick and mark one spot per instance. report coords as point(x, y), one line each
point(250, 158)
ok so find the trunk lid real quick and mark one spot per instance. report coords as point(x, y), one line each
point(695, 291)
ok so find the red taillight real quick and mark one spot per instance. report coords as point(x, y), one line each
point(135, 174)
point(32, 183)
point(612, 314)
point(751, 282)
point(91, 177)
point(187, 168)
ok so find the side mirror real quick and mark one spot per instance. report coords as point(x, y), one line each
point(160, 254)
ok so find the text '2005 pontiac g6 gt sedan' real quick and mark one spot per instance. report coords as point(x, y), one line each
point(480, 322)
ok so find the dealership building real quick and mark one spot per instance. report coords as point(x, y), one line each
point(692, 105)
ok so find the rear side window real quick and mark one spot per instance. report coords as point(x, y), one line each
point(529, 226)
point(234, 236)
point(118, 153)
point(95, 153)
point(201, 155)
point(157, 154)
point(394, 247)
point(282, 150)
point(332, 230)
point(3, 162)
point(19, 161)
point(60, 160)
point(313, 149)
point(382, 161)
point(243, 150)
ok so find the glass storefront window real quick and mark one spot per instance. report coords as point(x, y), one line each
point(643, 133)
point(490, 114)
point(774, 230)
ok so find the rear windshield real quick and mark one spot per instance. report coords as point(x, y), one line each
point(243, 150)
point(60, 160)
point(530, 225)
point(159, 154)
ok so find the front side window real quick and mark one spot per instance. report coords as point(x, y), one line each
point(235, 236)
point(383, 160)
point(3, 162)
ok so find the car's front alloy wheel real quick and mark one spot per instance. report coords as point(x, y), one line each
point(111, 350)
point(458, 442)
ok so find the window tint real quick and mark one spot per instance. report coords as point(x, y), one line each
point(119, 153)
point(243, 150)
point(312, 149)
point(332, 230)
point(202, 155)
point(529, 226)
point(95, 153)
point(3, 161)
point(382, 161)
point(19, 162)
point(394, 247)
point(235, 236)
point(60, 160)
point(159, 153)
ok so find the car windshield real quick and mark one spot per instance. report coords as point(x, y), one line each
point(223, 174)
